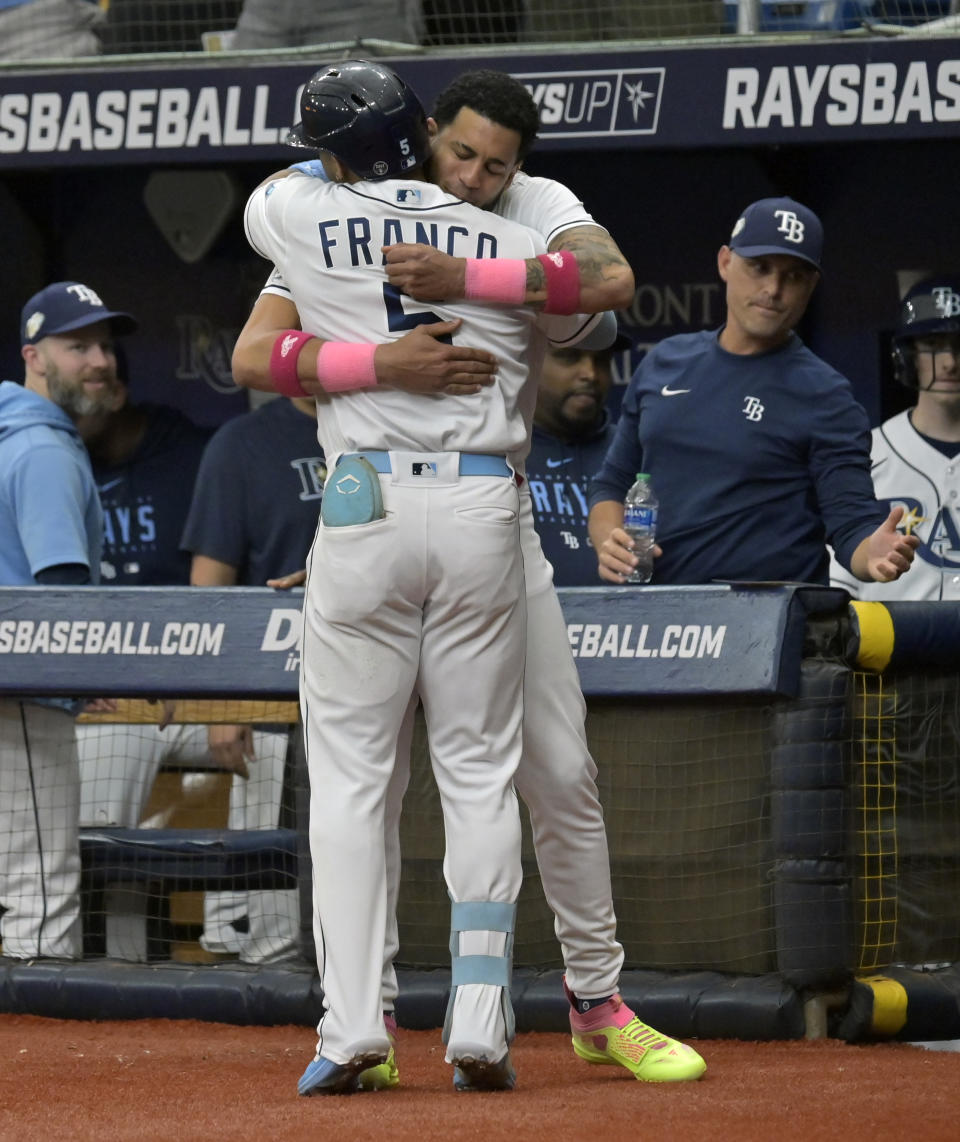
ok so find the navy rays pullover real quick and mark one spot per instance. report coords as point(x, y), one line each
point(758, 461)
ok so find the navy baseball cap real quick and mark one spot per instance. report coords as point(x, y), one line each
point(64, 306)
point(778, 226)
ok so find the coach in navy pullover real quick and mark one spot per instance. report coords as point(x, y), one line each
point(758, 451)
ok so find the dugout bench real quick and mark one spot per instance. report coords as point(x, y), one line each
point(129, 875)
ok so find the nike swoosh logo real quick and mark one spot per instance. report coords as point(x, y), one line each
point(666, 391)
point(558, 463)
point(111, 484)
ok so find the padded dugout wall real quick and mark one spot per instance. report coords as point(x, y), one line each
point(736, 821)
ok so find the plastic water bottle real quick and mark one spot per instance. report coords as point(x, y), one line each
point(640, 523)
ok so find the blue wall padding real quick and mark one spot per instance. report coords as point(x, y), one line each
point(706, 1005)
point(818, 713)
point(925, 634)
point(815, 929)
point(794, 765)
point(933, 1007)
point(813, 911)
point(933, 1002)
point(808, 823)
point(114, 989)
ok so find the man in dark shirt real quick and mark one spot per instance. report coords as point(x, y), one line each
point(572, 430)
point(756, 448)
point(145, 459)
point(257, 498)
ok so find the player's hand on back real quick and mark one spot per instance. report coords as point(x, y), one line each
point(425, 273)
point(419, 362)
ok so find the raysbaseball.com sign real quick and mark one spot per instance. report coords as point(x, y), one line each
point(706, 95)
point(245, 641)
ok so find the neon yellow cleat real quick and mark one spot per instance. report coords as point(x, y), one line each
point(386, 1074)
point(381, 1077)
point(613, 1035)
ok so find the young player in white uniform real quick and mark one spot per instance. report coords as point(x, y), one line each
point(914, 456)
point(477, 149)
point(422, 592)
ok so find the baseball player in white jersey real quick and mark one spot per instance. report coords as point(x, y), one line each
point(483, 134)
point(415, 580)
point(916, 454)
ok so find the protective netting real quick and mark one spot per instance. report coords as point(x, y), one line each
point(907, 818)
point(66, 29)
point(746, 834)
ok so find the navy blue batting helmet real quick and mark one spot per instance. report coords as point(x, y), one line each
point(931, 306)
point(366, 116)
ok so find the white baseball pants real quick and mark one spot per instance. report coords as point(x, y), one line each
point(429, 599)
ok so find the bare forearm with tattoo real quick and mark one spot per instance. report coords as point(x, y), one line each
point(606, 280)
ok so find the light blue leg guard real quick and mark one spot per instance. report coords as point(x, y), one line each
point(482, 916)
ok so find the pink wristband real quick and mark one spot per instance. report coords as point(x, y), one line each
point(283, 363)
point(563, 282)
point(495, 279)
point(346, 365)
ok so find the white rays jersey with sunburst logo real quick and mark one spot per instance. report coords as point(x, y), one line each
point(909, 471)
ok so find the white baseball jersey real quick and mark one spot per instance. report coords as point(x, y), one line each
point(910, 472)
point(556, 776)
point(427, 598)
point(325, 239)
point(542, 204)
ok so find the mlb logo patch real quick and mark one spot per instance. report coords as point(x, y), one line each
point(424, 468)
point(409, 196)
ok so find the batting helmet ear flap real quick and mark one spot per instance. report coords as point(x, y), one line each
point(903, 355)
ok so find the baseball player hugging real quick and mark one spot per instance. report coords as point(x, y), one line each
point(415, 579)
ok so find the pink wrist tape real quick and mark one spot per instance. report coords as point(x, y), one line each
point(283, 362)
point(563, 282)
point(495, 279)
point(345, 365)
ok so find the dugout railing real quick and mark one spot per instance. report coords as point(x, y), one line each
point(782, 806)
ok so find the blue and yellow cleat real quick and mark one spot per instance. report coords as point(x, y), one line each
point(325, 1077)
